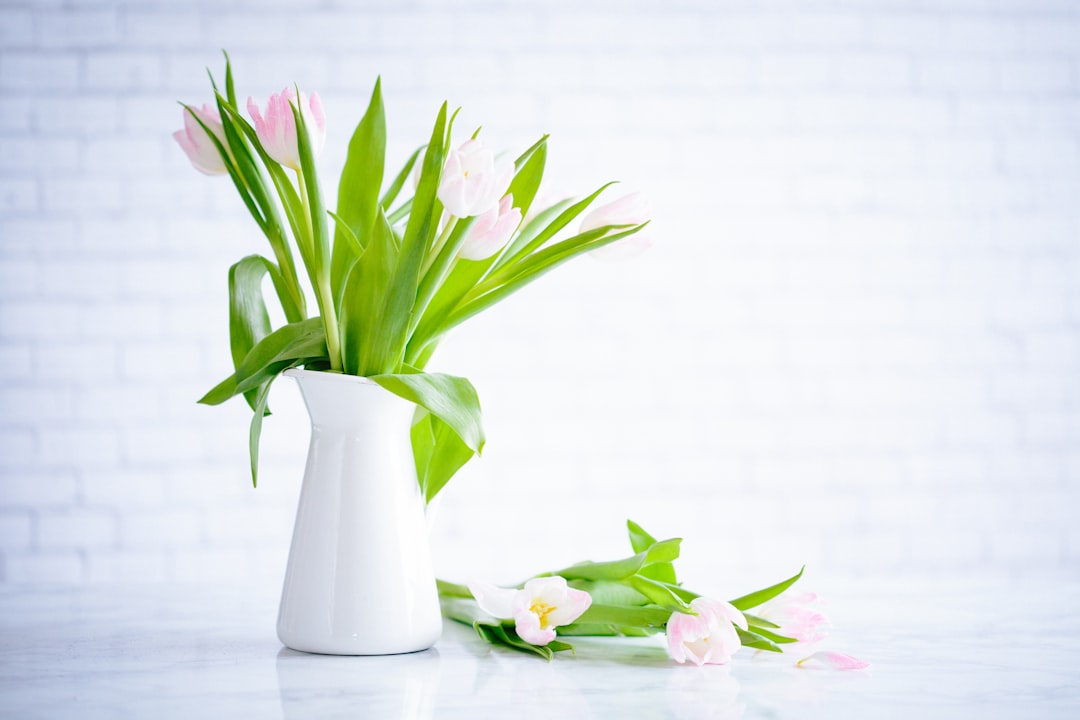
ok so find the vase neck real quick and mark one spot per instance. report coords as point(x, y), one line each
point(351, 403)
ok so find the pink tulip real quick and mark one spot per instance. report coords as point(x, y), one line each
point(708, 637)
point(537, 609)
point(491, 230)
point(833, 660)
point(472, 181)
point(632, 209)
point(196, 143)
point(277, 130)
point(798, 616)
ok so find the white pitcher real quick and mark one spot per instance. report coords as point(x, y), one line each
point(359, 579)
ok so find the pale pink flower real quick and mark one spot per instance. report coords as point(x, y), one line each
point(798, 615)
point(491, 230)
point(632, 209)
point(833, 660)
point(542, 605)
point(277, 129)
point(473, 181)
point(709, 637)
point(196, 143)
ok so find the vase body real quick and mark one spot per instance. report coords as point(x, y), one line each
point(359, 579)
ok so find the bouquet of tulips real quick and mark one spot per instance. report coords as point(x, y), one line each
point(390, 277)
point(640, 596)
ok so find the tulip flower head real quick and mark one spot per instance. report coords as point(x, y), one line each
point(491, 230)
point(277, 128)
point(196, 143)
point(632, 209)
point(798, 616)
point(708, 637)
point(473, 182)
point(537, 609)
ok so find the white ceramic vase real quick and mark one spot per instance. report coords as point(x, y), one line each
point(359, 579)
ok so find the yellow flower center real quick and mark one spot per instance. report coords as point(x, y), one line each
point(541, 609)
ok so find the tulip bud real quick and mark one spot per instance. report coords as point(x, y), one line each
point(277, 129)
point(491, 230)
point(632, 209)
point(196, 143)
point(472, 181)
point(709, 637)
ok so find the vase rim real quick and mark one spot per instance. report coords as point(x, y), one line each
point(301, 374)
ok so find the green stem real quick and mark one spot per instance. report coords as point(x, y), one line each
point(439, 243)
point(280, 244)
point(320, 282)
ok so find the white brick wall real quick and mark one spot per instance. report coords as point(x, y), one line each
point(856, 342)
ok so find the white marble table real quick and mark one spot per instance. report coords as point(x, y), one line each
point(210, 652)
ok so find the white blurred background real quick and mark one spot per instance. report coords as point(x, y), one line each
point(854, 344)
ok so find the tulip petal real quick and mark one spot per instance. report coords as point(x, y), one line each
point(528, 628)
point(833, 660)
point(632, 209)
point(495, 601)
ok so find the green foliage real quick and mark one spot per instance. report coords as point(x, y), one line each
point(626, 601)
point(752, 600)
point(388, 283)
point(358, 189)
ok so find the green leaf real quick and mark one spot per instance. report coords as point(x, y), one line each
point(530, 231)
point(609, 592)
point(665, 550)
point(304, 340)
point(600, 630)
point(439, 454)
point(639, 539)
point(248, 320)
point(620, 615)
point(230, 90)
point(450, 398)
point(255, 431)
point(658, 593)
point(770, 635)
point(499, 635)
point(494, 631)
point(752, 639)
point(762, 596)
point(419, 233)
point(683, 593)
point(359, 187)
point(399, 181)
point(522, 248)
point(661, 572)
point(363, 303)
point(453, 590)
point(758, 621)
point(607, 570)
point(400, 212)
point(529, 173)
point(514, 278)
point(436, 274)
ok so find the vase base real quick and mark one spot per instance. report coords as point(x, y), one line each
point(358, 647)
point(358, 653)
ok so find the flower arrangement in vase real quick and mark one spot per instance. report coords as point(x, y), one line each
point(390, 278)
